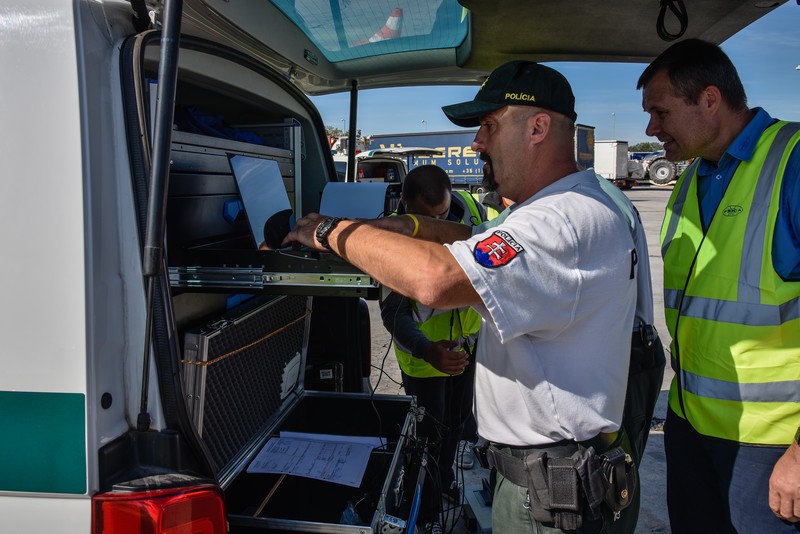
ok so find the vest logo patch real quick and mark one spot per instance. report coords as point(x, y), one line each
point(732, 211)
point(497, 249)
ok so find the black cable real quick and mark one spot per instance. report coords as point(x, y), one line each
point(383, 363)
point(679, 10)
point(383, 373)
point(459, 471)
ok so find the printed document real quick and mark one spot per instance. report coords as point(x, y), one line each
point(338, 459)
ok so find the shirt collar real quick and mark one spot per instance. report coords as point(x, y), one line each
point(744, 145)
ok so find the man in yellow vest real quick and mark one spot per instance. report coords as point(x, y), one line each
point(731, 247)
point(435, 348)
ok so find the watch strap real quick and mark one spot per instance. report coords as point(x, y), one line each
point(324, 228)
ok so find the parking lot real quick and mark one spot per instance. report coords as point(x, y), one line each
point(650, 201)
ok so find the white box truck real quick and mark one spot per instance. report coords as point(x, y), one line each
point(611, 160)
point(612, 163)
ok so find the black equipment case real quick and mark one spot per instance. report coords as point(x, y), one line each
point(244, 385)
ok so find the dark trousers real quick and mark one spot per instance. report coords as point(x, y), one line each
point(715, 485)
point(448, 404)
point(470, 431)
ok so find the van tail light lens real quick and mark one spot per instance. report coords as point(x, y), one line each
point(187, 510)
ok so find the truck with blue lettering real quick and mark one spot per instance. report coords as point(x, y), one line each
point(463, 164)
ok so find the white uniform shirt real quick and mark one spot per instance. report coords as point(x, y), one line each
point(558, 291)
point(644, 282)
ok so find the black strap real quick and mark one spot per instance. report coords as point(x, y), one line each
point(510, 467)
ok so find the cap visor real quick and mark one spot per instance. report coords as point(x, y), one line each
point(468, 114)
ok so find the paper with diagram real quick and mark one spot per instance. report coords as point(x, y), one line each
point(332, 461)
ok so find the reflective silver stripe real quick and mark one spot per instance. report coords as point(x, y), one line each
point(672, 298)
point(677, 206)
point(727, 311)
point(755, 231)
point(786, 391)
point(430, 313)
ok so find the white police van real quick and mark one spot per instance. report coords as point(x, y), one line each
point(150, 346)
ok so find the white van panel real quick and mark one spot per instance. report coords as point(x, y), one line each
point(45, 515)
point(42, 321)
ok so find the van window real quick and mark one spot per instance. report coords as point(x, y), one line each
point(345, 31)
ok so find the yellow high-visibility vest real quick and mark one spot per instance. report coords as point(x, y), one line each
point(440, 325)
point(468, 202)
point(735, 324)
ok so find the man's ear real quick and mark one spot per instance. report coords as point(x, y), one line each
point(711, 99)
point(539, 125)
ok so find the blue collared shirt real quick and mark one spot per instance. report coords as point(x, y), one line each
point(712, 181)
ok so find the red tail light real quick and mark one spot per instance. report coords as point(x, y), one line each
point(188, 510)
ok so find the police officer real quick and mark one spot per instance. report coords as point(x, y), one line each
point(553, 281)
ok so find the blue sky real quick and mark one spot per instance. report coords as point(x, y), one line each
point(765, 54)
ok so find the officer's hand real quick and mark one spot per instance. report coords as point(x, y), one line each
point(784, 486)
point(445, 360)
point(304, 230)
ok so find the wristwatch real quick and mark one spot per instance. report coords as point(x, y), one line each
point(797, 436)
point(324, 228)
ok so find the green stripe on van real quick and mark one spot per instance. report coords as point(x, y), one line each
point(43, 442)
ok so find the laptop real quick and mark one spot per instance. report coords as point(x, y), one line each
point(264, 198)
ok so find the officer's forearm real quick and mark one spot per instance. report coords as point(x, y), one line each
point(424, 271)
point(424, 228)
point(439, 231)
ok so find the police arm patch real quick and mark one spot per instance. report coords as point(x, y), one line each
point(497, 249)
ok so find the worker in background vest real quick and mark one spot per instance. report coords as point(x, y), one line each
point(731, 247)
point(432, 345)
point(493, 203)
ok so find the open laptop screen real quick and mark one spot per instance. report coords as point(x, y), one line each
point(264, 198)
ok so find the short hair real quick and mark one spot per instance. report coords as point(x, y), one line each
point(427, 183)
point(694, 64)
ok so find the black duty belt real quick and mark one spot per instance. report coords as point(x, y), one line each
point(567, 480)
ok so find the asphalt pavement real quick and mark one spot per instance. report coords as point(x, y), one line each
point(650, 201)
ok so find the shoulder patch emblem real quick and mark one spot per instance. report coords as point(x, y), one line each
point(497, 249)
